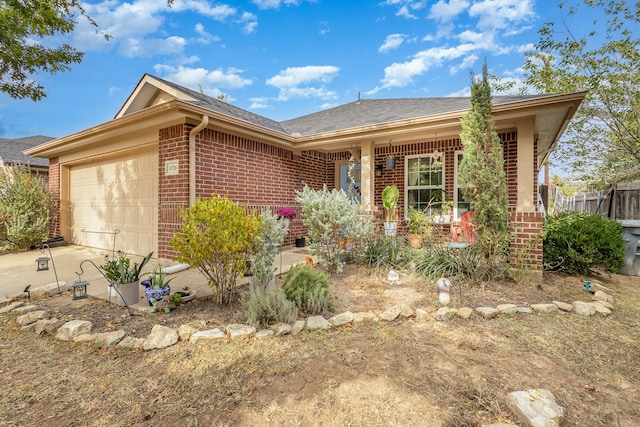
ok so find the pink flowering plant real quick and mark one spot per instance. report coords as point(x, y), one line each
point(287, 213)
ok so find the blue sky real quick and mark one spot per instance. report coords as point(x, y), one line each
point(280, 58)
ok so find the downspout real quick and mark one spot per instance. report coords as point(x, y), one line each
point(192, 158)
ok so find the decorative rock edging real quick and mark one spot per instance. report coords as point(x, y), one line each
point(37, 320)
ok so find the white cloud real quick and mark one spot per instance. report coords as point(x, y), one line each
point(259, 103)
point(274, 4)
point(393, 41)
point(141, 23)
point(210, 80)
point(464, 92)
point(295, 82)
point(500, 14)
point(133, 47)
point(205, 37)
point(444, 11)
point(249, 22)
point(466, 64)
point(402, 74)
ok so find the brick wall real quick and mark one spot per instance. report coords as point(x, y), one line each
point(258, 175)
point(54, 187)
point(173, 190)
point(526, 248)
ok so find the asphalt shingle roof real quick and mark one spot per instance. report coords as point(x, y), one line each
point(364, 112)
point(11, 150)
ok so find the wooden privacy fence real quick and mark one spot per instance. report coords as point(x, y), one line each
point(620, 201)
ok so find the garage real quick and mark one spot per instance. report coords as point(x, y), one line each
point(116, 195)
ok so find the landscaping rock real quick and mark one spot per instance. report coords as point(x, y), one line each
point(32, 317)
point(406, 312)
point(298, 326)
point(364, 317)
point(535, 408)
point(391, 314)
point(602, 296)
point(72, 329)
point(26, 308)
point(544, 308)
point(263, 333)
point(341, 319)
point(236, 330)
point(317, 322)
point(50, 289)
point(445, 313)
point(206, 336)
point(280, 329)
point(131, 342)
point(525, 310)
point(102, 339)
point(583, 309)
point(464, 312)
point(31, 327)
point(606, 304)
point(601, 310)
point(185, 332)
point(598, 287)
point(160, 337)
point(507, 308)
point(563, 306)
point(49, 326)
point(488, 312)
point(9, 308)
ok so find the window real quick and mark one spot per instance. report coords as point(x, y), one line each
point(460, 205)
point(425, 180)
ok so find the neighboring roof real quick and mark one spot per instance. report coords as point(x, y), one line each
point(11, 150)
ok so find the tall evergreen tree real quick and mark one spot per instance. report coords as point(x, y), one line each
point(481, 175)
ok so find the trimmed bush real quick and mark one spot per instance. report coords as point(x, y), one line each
point(269, 306)
point(25, 206)
point(576, 242)
point(308, 289)
point(217, 237)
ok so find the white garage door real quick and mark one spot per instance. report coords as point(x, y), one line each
point(116, 194)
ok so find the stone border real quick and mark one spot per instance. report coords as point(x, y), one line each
point(33, 319)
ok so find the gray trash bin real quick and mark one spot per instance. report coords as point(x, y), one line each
point(631, 234)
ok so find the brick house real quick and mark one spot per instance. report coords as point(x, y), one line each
point(12, 154)
point(169, 145)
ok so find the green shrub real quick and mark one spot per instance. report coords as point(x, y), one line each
point(308, 289)
point(25, 206)
point(575, 242)
point(441, 261)
point(217, 238)
point(379, 251)
point(269, 306)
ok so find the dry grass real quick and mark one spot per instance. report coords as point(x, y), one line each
point(454, 373)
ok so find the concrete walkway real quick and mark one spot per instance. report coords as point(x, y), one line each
point(18, 270)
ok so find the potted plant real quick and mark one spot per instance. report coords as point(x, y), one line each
point(286, 215)
point(418, 224)
point(447, 207)
point(390, 196)
point(390, 160)
point(156, 287)
point(123, 277)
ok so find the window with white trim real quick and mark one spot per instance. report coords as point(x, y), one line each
point(424, 180)
point(460, 205)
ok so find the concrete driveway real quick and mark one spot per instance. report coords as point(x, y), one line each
point(18, 270)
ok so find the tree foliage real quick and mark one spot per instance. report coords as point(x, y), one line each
point(602, 142)
point(27, 28)
point(25, 207)
point(217, 237)
point(481, 175)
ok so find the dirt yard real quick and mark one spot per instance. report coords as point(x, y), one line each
point(403, 373)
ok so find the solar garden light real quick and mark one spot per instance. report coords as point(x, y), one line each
point(42, 263)
point(79, 288)
point(443, 286)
